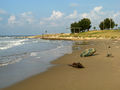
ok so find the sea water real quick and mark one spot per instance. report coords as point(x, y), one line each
point(21, 58)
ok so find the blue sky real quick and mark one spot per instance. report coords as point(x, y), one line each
point(35, 16)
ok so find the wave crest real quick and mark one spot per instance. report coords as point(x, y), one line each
point(9, 44)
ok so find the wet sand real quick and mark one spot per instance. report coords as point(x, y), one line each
point(100, 72)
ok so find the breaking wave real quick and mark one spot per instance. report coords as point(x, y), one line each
point(9, 44)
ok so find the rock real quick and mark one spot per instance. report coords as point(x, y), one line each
point(76, 65)
point(109, 47)
point(109, 55)
point(88, 52)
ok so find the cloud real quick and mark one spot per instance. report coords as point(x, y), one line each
point(27, 17)
point(25, 14)
point(73, 15)
point(97, 15)
point(74, 5)
point(55, 15)
point(54, 20)
point(116, 17)
point(84, 15)
point(2, 11)
point(60, 19)
point(97, 9)
point(116, 14)
point(12, 19)
point(21, 19)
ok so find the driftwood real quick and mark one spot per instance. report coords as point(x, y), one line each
point(76, 65)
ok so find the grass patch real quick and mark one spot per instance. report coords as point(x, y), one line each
point(98, 34)
point(112, 34)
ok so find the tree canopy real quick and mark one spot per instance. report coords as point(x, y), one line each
point(108, 23)
point(85, 24)
point(102, 26)
point(81, 26)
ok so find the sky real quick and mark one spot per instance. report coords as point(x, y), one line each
point(33, 17)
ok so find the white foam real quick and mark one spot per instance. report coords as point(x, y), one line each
point(10, 44)
point(33, 54)
point(10, 62)
point(37, 57)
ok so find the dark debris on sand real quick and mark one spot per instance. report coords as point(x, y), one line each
point(76, 65)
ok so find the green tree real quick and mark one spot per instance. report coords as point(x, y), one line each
point(108, 23)
point(101, 26)
point(81, 26)
point(94, 28)
point(85, 24)
point(74, 27)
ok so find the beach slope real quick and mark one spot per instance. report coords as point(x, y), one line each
point(100, 72)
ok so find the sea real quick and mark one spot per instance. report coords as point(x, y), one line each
point(21, 58)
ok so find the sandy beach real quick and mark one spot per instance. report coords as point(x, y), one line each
point(100, 72)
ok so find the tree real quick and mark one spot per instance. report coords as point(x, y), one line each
point(94, 28)
point(85, 24)
point(102, 26)
point(81, 26)
point(74, 27)
point(108, 23)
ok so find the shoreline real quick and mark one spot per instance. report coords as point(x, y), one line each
point(99, 73)
point(90, 35)
point(34, 62)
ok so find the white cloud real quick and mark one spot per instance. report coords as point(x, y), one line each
point(116, 17)
point(12, 19)
point(25, 14)
point(73, 15)
point(2, 11)
point(116, 14)
point(60, 19)
point(84, 15)
point(74, 5)
point(97, 15)
point(29, 20)
point(21, 19)
point(27, 17)
point(97, 9)
point(55, 15)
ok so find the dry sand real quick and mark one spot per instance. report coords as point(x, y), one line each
point(100, 72)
